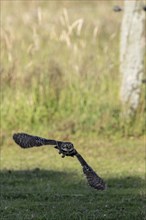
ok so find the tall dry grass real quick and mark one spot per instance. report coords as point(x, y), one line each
point(60, 69)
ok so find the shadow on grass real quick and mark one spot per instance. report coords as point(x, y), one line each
point(67, 178)
point(42, 194)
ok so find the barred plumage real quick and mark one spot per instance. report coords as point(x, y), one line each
point(66, 149)
point(26, 141)
point(93, 179)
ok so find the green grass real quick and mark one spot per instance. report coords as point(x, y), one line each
point(38, 184)
point(55, 77)
point(58, 195)
point(64, 84)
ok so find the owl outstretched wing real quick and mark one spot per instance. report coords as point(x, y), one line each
point(66, 149)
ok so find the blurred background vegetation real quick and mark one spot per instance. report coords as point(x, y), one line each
point(60, 79)
point(60, 70)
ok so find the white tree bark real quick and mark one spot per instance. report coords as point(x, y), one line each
point(132, 47)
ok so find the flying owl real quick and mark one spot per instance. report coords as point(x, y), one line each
point(66, 149)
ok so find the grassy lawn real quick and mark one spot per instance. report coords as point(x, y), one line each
point(39, 184)
point(60, 79)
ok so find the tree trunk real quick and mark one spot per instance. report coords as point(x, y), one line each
point(132, 54)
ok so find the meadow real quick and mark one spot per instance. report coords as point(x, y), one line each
point(60, 79)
